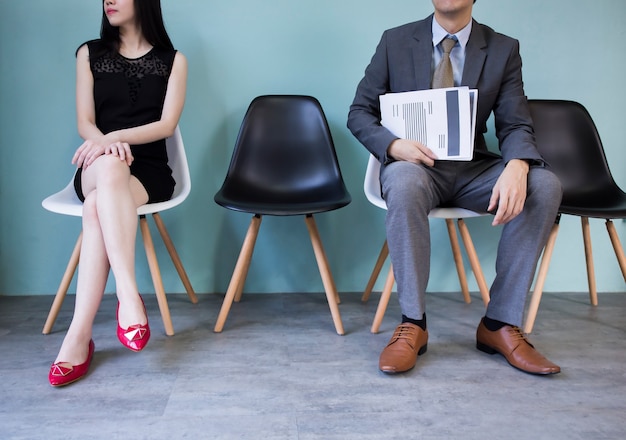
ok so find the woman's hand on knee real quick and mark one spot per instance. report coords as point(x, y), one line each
point(89, 151)
point(121, 150)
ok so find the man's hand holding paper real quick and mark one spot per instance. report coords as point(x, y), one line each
point(411, 151)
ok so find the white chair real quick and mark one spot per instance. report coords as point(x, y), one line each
point(66, 202)
point(371, 187)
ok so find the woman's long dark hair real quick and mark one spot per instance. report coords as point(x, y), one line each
point(150, 21)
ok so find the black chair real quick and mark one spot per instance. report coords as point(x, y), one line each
point(568, 140)
point(284, 163)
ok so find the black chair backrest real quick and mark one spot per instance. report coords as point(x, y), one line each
point(284, 155)
point(568, 140)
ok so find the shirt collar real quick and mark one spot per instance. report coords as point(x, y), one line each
point(440, 33)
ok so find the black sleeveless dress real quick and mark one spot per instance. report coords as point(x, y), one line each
point(129, 93)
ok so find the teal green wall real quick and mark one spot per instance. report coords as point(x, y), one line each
point(238, 49)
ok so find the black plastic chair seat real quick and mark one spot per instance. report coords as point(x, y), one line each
point(284, 161)
point(596, 207)
point(280, 208)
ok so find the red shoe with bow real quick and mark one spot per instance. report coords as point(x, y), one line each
point(64, 373)
point(136, 336)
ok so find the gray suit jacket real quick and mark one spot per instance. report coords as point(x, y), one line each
point(402, 62)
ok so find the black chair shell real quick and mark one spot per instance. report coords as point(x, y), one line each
point(568, 140)
point(284, 162)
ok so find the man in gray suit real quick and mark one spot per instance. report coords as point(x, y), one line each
point(516, 187)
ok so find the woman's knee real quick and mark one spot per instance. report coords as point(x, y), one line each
point(107, 171)
point(113, 171)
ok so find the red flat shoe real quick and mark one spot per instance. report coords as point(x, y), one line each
point(136, 336)
point(64, 373)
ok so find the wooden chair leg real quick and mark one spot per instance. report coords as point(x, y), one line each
point(591, 274)
point(474, 262)
point(156, 275)
point(64, 286)
point(382, 256)
point(458, 259)
point(384, 301)
point(535, 299)
point(243, 277)
point(238, 277)
point(617, 247)
point(327, 279)
point(169, 244)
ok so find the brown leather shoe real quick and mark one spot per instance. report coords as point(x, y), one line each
point(400, 354)
point(511, 343)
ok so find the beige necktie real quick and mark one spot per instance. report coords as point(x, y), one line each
point(443, 76)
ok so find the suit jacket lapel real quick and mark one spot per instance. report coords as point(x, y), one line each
point(423, 53)
point(475, 55)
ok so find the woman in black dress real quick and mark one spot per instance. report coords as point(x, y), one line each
point(130, 92)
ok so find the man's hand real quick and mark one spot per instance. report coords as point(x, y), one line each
point(509, 192)
point(411, 151)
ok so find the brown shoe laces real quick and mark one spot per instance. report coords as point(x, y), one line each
point(517, 333)
point(404, 332)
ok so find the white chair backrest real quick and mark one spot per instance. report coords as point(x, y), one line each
point(180, 171)
point(178, 163)
point(371, 183)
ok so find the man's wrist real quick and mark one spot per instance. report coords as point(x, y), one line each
point(523, 163)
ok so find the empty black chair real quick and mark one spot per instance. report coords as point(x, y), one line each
point(568, 140)
point(284, 163)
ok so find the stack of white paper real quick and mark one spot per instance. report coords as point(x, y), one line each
point(442, 119)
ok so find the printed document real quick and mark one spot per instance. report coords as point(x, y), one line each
point(442, 119)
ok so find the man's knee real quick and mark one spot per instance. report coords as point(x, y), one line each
point(545, 185)
point(405, 183)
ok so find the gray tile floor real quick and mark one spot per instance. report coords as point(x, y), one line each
point(279, 371)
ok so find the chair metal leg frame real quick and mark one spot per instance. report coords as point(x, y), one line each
point(64, 286)
point(154, 271)
point(535, 299)
point(617, 247)
point(456, 252)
